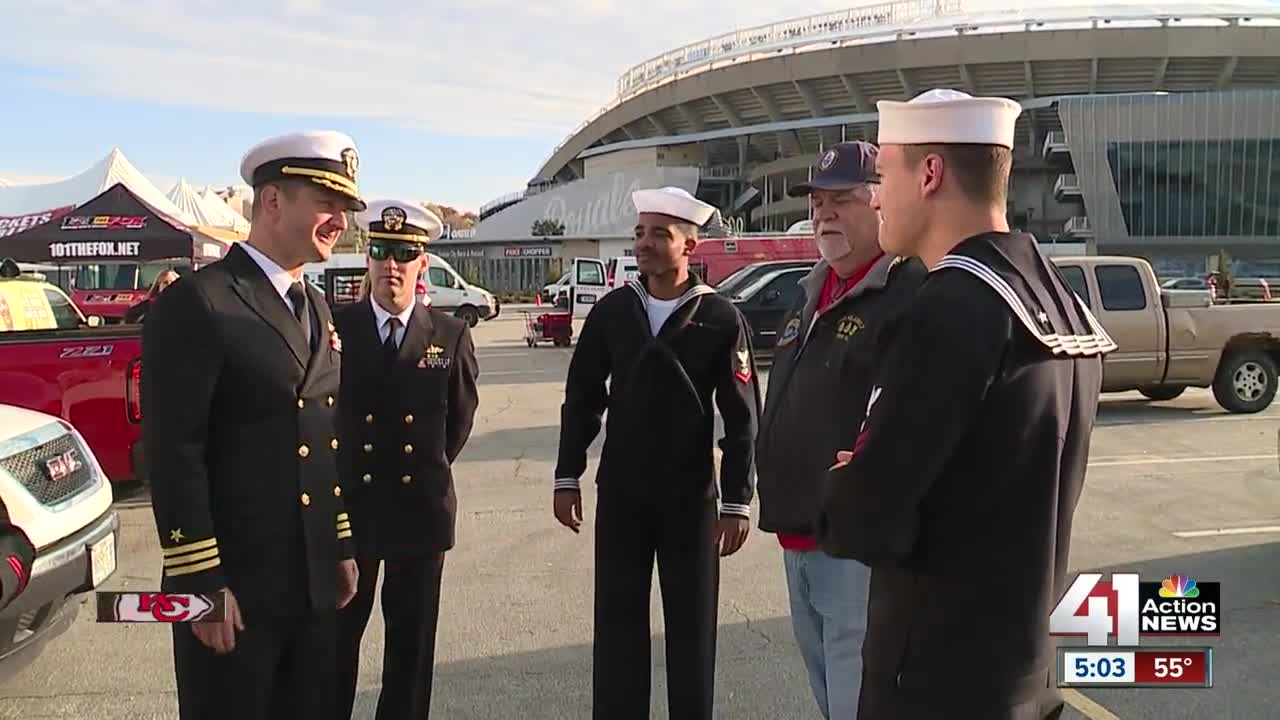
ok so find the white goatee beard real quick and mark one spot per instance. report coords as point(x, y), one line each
point(833, 247)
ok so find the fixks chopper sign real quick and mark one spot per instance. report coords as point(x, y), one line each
point(1127, 608)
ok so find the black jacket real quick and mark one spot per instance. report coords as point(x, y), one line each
point(16, 557)
point(964, 483)
point(402, 425)
point(239, 421)
point(662, 396)
point(818, 386)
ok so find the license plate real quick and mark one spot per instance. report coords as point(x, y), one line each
point(102, 559)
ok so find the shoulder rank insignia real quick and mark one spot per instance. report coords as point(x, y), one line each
point(790, 332)
point(433, 358)
point(848, 325)
point(742, 367)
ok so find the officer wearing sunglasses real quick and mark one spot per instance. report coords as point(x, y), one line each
point(406, 407)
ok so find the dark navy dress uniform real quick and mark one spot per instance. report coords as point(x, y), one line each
point(408, 403)
point(239, 397)
point(963, 485)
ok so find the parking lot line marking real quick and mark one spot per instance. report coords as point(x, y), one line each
point(1228, 531)
point(1089, 708)
point(491, 373)
point(1176, 460)
point(1208, 419)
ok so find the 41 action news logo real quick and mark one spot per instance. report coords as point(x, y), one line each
point(1128, 608)
point(164, 607)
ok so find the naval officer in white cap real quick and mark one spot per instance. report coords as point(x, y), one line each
point(239, 407)
point(408, 403)
point(672, 352)
point(960, 488)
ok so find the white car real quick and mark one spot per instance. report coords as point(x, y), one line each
point(56, 492)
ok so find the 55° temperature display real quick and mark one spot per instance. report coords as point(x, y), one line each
point(1135, 667)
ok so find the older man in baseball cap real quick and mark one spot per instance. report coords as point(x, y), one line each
point(817, 397)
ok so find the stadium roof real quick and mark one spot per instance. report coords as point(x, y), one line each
point(783, 87)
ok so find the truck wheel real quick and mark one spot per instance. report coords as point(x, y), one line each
point(1246, 382)
point(1162, 392)
point(469, 315)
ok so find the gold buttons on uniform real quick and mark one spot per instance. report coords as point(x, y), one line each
point(368, 448)
point(337, 491)
point(408, 419)
point(334, 443)
point(329, 400)
point(406, 479)
point(301, 404)
point(306, 499)
point(368, 418)
point(303, 451)
point(408, 449)
point(367, 478)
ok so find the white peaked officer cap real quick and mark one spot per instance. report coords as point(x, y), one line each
point(403, 220)
point(325, 157)
point(948, 117)
point(673, 201)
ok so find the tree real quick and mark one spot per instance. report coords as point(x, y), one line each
point(546, 228)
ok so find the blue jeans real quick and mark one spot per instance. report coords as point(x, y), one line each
point(829, 617)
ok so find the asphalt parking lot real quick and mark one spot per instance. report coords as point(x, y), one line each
point(1175, 487)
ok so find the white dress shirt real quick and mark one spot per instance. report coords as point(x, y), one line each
point(381, 316)
point(280, 278)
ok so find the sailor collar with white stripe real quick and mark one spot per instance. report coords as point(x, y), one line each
point(697, 289)
point(1096, 343)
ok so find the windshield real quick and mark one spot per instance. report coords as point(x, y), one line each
point(727, 284)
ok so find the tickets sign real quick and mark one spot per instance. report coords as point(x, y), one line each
point(12, 224)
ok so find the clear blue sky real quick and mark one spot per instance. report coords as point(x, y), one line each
point(451, 102)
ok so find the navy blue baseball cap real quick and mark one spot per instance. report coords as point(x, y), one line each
point(843, 167)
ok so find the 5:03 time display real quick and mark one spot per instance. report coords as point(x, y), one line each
point(1099, 667)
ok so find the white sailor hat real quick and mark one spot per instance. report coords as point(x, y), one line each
point(403, 220)
point(672, 201)
point(948, 117)
point(325, 157)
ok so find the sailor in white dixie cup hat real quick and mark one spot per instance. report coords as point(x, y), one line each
point(974, 448)
point(673, 202)
point(673, 352)
point(240, 399)
point(409, 400)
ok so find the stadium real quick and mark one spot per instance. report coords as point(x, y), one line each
point(1147, 130)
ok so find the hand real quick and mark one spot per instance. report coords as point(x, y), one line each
point(568, 508)
point(348, 581)
point(220, 635)
point(731, 533)
point(842, 458)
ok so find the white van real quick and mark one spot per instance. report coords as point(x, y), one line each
point(55, 491)
point(439, 283)
point(621, 270)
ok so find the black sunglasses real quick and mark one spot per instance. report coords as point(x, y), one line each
point(399, 251)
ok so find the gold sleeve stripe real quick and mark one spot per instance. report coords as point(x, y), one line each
point(343, 517)
point(191, 559)
point(189, 569)
point(191, 547)
point(344, 534)
point(344, 526)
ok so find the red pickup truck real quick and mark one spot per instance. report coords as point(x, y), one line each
point(56, 361)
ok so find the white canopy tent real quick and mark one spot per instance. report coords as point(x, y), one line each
point(207, 209)
point(78, 189)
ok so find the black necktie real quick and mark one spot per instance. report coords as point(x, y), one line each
point(298, 297)
point(389, 347)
